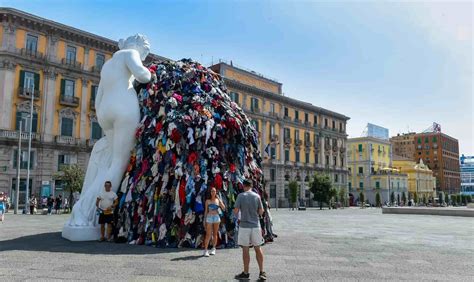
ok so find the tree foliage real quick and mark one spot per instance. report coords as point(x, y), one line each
point(321, 186)
point(378, 200)
point(72, 177)
point(293, 186)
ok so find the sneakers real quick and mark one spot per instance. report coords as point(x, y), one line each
point(213, 251)
point(262, 276)
point(205, 253)
point(242, 276)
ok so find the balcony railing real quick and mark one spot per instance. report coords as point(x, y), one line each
point(297, 120)
point(298, 142)
point(327, 147)
point(287, 141)
point(31, 53)
point(308, 143)
point(307, 123)
point(316, 145)
point(69, 100)
point(274, 114)
point(12, 134)
point(71, 63)
point(255, 110)
point(286, 117)
point(334, 148)
point(26, 93)
point(68, 140)
point(274, 138)
point(96, 69)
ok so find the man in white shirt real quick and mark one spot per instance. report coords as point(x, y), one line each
point(106, 203)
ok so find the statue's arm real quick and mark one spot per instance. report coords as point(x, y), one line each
point(136, 67)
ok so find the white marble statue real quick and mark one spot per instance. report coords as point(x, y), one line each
point(118, 114)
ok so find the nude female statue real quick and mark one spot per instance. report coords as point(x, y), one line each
point(118, 114)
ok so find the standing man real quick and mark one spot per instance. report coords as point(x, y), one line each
point(106, 203)
point(50, 204)
point(250, 206)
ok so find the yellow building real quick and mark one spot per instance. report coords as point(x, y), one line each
point(420, 178)
point(59, 66)
point(370, 170)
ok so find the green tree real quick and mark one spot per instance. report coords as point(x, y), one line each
point(415, 198)
point(321, 186)
point(454, 200)
point(378, 200)
point(293, 185)
point(362, 199)
point(392, 198)
point(464, 200)
point(404, 198)
point(72, 177)
point(343, 197)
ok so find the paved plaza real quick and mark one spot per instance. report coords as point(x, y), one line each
point(313, 245)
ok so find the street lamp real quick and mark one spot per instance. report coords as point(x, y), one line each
point(25, 211)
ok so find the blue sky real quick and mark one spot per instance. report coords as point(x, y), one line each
point(401, 65)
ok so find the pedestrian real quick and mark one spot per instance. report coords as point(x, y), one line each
point(106, 203)
point(59, 201)
point(250, 206)
point(3, 207)
point(33, 203)
point(50, 204)
point(211, 214)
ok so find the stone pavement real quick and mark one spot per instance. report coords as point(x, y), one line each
point(328, 245)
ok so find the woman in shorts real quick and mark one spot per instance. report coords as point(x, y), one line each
point(212, 220)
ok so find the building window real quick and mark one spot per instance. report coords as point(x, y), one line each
point(316, 158)
point(435, 139)
point(306, 117)
point(315, 119)
point(99, 60)
point(287, 155)
point(70, 54)
point(361, 170)
point(333, 124)
point(23, 159)
point(325, 123)
point(427, 140)
point(336, 178)
point(350, 186)
point(342, 161)
point(96, 131)
point(286, 112)
point(377, 184)
point(361, 185)
point(272, 174)
point(297, 115)
point(297, 135)
point(297, 156)
point(419, 140)
point(306, 157)
point(360, 148)
point(31, 43)
point(24, 117)
point(272, 108)
point(66, 159)
point(66, 126)
point(29, 81)
point(273, 191)
point(340, 127)
point(234, 96)
point(327, 160)
point(272, 130)
point(67, 88)
point(306, 137)
point(254, 104)
point(372, 170)
point(93, 93)
point(273, 153)
point(334, 160)
point(286, 132)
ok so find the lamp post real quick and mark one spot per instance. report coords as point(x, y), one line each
point(29, 151)
point(18, 159)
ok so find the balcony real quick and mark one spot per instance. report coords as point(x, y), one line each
point(72, 64)
point(274, 138)
point(26, 93)
point(327, 147)
point(298, 142)
point(287, 118)
point(12, 134)
point(255, 110)
point(316, 145)
point(287, 141)
point(315, 125)
point(274, 114)
point(69, 101)
point(297, 120)
point(92, 104)
point(334, 148)
point(96, 69)
point(32, 54)
point(67, 140)
point(308, 143)
point(307, 123)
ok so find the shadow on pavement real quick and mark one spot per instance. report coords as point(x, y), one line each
point(53, 242)
point(186, 258)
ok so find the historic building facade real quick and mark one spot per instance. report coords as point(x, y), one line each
point(297, 139)
point(371, 172)
point(420, 177)
point(59, 66)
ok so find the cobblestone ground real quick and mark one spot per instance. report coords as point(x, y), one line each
point(334, 245)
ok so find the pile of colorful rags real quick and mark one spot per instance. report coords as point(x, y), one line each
point(191, 137)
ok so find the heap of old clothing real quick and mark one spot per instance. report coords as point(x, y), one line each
point(191, 137)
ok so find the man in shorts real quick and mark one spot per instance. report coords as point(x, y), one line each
point(106, 203)
point(250, 206)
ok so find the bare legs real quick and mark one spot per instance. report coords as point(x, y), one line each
point(246, 258)
point(208, 235)
point(211, 228)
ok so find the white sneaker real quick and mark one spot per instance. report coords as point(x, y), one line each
point(206, 253)
point(213, 251)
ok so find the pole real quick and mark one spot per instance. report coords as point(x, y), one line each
point(29, 151)
point(276, 199)
point(17, 192)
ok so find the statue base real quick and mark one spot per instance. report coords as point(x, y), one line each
point(81, 233)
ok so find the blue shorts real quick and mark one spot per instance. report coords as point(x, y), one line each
point(213, 218)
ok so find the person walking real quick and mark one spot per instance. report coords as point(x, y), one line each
point(59, 202)
point(106, 203)
point(33, 203)
point(250, 206)
point(3, 207)
point(50, 204)
point(211, 214)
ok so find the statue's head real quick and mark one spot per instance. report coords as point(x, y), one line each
point(138, 42)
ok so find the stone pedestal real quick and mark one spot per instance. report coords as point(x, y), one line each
point(81, 233)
